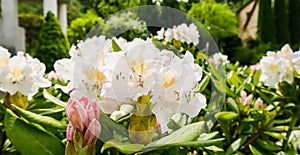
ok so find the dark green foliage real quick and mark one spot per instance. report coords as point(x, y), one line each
point(32, 24)
point(281, 22)
point(218, 19)
point(266, 24)
point(79, 27)
point(52, 43)
point(294, 20)
point(108, 7)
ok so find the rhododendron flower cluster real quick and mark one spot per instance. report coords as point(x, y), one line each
point(138, 68)
point(183, 33)
point(280, 66)
point(21, 73)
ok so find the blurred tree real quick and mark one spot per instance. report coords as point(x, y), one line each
point(218, 18)
point(75, 10)
point(294, 20)
point(281, 22)
point(108, 7)
point(266, 22)
point(30, 7)
point(32, 24)
point(81, 26)
point(52, 43)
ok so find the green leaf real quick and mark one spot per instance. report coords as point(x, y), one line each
point(202, 143)
point(232, 104)
point(41, 120)
point(206, 136)
point(256, 77)
point(226, 115)
point(268, 145)
point(28, 139)
point(125, 148)
point(236, 145)
point(180, 136)
point(214, 148)
point(275, 135)
point(204, 83)
point(54, 99)
point(115, 46)
point(254, 150)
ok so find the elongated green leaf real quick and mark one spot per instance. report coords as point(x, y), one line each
point(232, 104)
point(204, 83)
point(226, 115)
point(256, 77)
point(206, 136)
point(42, 120)
point(268, 145)
point(54, 99)
point(115, 46)
point(28, 139)
point(254, 150)
point(183, 135)
point(236, 145)
point(126, 148)
point(214, 148)
point(202, 143)
point(275, 135)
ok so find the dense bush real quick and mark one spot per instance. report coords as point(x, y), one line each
point(294, 20)
point(81, 26)
point(32, 24)
point(52, 43)
point(218, 18)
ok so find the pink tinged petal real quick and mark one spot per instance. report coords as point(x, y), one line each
point(84, 101)
point(96, 110)
point(70, 132)
point(248, 99)
point(76, 114)
point(92, 132)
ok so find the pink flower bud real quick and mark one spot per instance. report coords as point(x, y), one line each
point(76, 114)
point(244, 99)
point(84, 101)
point(92, 111)
point(70, 132)
point(93, 132)
point(259, 103)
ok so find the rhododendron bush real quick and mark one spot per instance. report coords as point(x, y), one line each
point(114, 96)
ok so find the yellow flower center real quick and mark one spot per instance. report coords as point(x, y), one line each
point(169, 79)
point(273, 67)
point(140, 69)
point(16, 74)
point(95, 74)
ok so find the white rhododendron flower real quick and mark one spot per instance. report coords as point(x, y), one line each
point(4, 57)
point(186, 33)
point(219, 58)
point(278, 67)
point(64, 69)
point(115, 79)
point(23, 74)
point(183, 33)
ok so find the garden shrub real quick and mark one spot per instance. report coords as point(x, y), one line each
point(81, 26)
point(32, 24)
point(219, 19)
point(52, 43)
point(126, 20)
